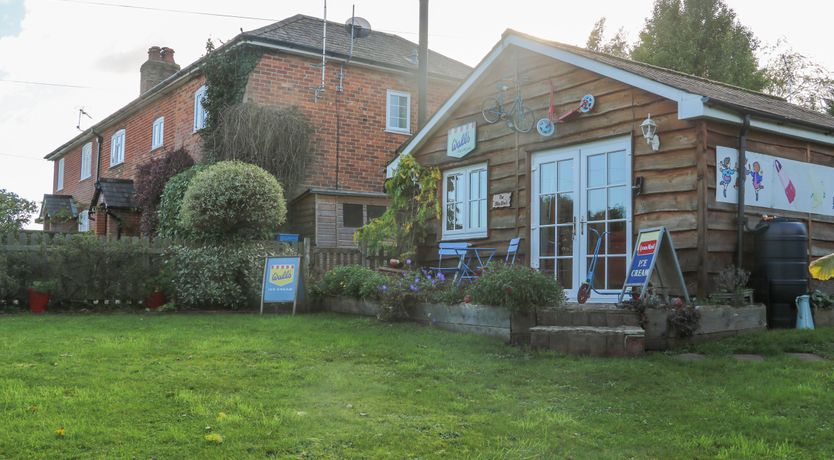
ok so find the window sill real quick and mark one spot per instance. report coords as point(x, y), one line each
point(116, 165)
point(465, 236)
point(153, 149)
point(397, 131)
point(85, 178)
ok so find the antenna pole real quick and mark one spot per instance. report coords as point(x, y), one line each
point(352, 28)
point(323, 53)
point(423, 64)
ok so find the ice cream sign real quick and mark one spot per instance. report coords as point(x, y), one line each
point(773, 182)
point(461, 140)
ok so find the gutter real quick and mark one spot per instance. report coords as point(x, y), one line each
point(742, 176)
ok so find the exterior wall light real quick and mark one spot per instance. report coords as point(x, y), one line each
point(649, 128)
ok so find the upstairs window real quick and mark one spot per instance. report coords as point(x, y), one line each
point(398, 113)
point(59, 183)
point(157, 133)
point(117, 148)
point(200, 114)
point(86, 160)
point(465, 202)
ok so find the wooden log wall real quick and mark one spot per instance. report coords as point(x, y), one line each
point(670, 190)
point(721, 227)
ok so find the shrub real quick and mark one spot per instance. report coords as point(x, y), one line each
point(150, 181)
point(353, 281)
point(171, 202)
point(517, 288)
point(14, 211)
point(231, 200)
point(219, 276)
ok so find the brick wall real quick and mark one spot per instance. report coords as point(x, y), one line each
point(364, 146)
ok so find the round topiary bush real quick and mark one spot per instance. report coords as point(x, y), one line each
point(231, 200)
point(168, 225)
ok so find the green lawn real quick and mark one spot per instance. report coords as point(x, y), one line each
point(326, 386)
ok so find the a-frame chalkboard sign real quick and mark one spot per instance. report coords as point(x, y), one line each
point(655, 262)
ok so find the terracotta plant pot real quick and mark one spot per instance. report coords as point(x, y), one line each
point(155, 300)
point(38, 301)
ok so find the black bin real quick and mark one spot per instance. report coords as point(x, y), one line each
point(780, 268)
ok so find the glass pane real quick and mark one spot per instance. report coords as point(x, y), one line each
point(547, 266)
point(616, 272)
point(451, 185)
point(617, 197)
point(565, 243)
point(565, 208)
point(599, 273)
point(474, 216)
point(565, 182)
point(596, 204)
point(592, 238)
point(483, 188)
point(547, 210)
point(453, 217)
point(596, 170)
point(482, 216)
point(548, 178)
point(616, 238)
point(617, 168)
point(547, 241)
point(565, 273)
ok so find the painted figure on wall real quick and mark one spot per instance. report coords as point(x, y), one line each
point(756, 174)
point(787, 184)
point(727, 174)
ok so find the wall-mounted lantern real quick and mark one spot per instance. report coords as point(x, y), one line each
point(649, 128)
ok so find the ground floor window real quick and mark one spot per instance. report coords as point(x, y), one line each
point(465, 202)
point(357, 215)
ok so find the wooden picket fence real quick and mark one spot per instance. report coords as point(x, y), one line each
point(321, 260)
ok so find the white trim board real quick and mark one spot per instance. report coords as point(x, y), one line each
point(690, 105)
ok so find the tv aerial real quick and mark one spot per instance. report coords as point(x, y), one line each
point(358, 27)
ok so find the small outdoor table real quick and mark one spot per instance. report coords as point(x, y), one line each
point(472, 261)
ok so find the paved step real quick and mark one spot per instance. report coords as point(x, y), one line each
point(598, 315)
point(590, 340)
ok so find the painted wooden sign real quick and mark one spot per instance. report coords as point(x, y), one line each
point(461, 140)
point(281, 281)
point(655, 262)
point(502, 200)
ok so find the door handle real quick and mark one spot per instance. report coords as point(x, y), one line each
point(582, 226)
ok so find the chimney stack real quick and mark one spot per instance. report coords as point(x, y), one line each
point(159, 66)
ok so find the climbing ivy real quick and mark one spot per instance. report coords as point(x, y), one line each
point(413, 202)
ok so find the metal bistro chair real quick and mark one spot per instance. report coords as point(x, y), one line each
point(512, 251)
point(456, 251)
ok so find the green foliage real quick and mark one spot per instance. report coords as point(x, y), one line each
point(150, 180)
point(732, 279)
point(684, 320)
point(412, 193)
point(227, 72)
point(171, 202)
point(219, 276)
point(232, 200)
point(617, 45)
point(278, 139)
point(353, 281)
point(15, 211)
point(822, 300)
point(516, 287)
point(796, 78)
point(702, 38)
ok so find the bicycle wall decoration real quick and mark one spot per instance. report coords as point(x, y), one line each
point(517, 115)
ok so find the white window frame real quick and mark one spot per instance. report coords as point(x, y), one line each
point(117, 148)
point(59, 183)
point(158, 133)
point(468, 231)
point(84, 221)
point(86, 161)
point(200, 114)
point(388, 100)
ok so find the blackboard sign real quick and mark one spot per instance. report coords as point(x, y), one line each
point(281, 281)
point(655, 262)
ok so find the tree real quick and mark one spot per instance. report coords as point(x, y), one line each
point(617, 45)
point(151, 178)
point(702, 38)
point(795, 77)
point(14, 211)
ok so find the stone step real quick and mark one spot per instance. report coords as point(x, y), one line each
point(598, 315)
point(590, 340)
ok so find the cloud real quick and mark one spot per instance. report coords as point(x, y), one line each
point(11, 16)
point(122, 61)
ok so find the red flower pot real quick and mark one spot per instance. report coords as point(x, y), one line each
point(155, 300)
point(38, 301)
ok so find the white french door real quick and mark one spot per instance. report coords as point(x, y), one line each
point(578, 194)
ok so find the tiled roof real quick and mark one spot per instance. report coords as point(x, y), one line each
point(114, 193)
point(305, 33)
point(58, 205)
point(718, 93)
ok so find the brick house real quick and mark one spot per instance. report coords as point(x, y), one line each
point(365, 111)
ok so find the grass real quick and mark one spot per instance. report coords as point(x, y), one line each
point(327, 386)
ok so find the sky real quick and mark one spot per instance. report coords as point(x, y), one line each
point(57, 56)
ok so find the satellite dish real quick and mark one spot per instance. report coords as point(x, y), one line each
point(361, 27)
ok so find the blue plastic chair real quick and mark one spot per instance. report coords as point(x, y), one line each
point(512, 251)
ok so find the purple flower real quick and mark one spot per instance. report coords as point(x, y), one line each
point(441, 277)
point(383, 288)
point(408, 261)
point(412, 287)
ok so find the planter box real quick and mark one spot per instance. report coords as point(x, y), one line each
point(349, 306)
point(823, 317)
point(716, 321)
